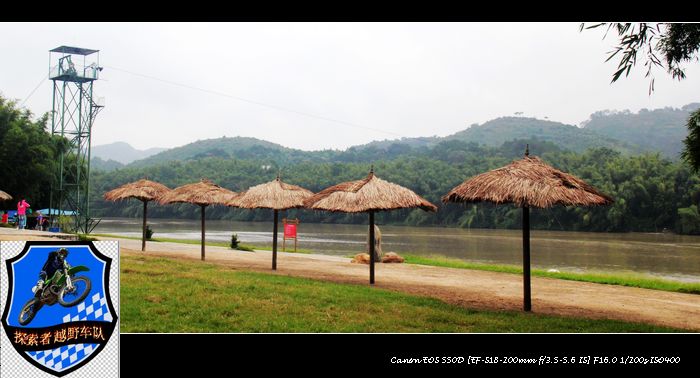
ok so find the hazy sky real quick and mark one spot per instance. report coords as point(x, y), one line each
point(388, 80)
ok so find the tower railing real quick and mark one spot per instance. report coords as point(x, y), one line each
point(90, 72)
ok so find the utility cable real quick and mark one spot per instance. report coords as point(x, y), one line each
point(43, 78)
point(255, 102)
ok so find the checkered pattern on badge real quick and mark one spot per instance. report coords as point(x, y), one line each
point(64, 357)
point(93, 308)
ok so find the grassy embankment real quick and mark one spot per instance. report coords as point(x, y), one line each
point(169, 295)
point(241, 247)
point(623, 279)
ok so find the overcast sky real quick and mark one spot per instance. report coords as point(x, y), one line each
point(362, 81)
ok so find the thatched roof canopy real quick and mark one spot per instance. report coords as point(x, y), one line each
point(528, 182)
point(4, 196)
point(143, 190)
point(368, 194)
point(275, 195)
point(202, 193)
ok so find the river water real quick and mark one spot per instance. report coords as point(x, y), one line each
point(667, 256)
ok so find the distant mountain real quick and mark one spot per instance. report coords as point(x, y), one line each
point(237, 147)
point(660, 130)
point(122, 152)
point(418, 142)
point(655, 130)
point(104, 165)
point(568, 137)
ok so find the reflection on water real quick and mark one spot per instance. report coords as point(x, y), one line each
point(663, 255)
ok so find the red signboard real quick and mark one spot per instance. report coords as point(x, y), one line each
point(290, 230)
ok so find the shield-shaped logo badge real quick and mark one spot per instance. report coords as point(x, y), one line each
point(58, 313)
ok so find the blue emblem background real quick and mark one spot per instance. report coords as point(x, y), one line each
point(26, 274)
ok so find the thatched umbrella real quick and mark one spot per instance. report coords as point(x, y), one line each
point(144, 191)
point(275, 195)
point(370, 194)
point(527, 183)
point(203, 193)
point(4, 196)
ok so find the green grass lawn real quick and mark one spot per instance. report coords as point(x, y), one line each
point(167, 295)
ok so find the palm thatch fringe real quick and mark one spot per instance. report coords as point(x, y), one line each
point(368, 194)
point(527, 182)
point(275, 195)
point(202, 193)
point(143, 190)
point(4, 196)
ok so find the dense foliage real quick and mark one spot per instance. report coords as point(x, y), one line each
point(652, 193)
point(27, 155)
point(677, 43)
point(105, 165)
point(660, 130)
point(691, 149)
point(570, 137)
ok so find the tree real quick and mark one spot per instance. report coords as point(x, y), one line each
point(27, 154)
point(691, 151)
point(677, 44)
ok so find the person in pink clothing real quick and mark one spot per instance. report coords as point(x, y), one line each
point(22, 207)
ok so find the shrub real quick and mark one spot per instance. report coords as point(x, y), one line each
point(84, 237)
point(234, 241)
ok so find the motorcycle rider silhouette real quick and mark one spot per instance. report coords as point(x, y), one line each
point(53, 263)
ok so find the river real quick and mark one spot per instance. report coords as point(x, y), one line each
point(664, 255)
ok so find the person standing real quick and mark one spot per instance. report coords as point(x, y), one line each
point(377, 244)
point(22, 207)
point(39, 221)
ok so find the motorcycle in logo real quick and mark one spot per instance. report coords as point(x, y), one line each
point(59, 339)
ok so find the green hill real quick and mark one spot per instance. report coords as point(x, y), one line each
point(237, 148)
point(109, 165)
point(660, 130)
point(568, 137)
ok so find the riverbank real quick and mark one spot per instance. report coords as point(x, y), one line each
point(470, 289)
point(626, 279)
point(662, 256)
point(623, 279)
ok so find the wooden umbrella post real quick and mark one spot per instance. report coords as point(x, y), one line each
point(525, 182)
point(203, 228)
point(144, 191)
point(371, 247)
point(527, 305)
point(143, 235)
point(274, 241)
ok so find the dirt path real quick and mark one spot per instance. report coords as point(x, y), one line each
point(468, 288)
